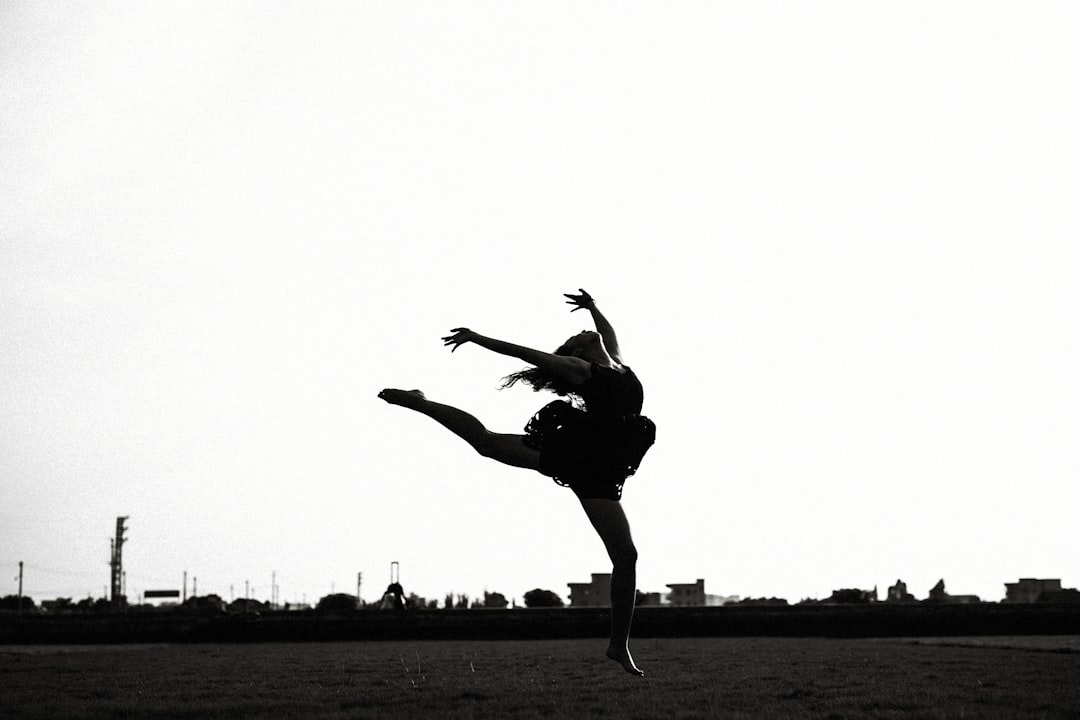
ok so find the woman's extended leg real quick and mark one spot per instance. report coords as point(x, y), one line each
point(608, 518)
point(506, 448)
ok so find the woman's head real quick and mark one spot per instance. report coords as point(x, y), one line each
point(587, 345)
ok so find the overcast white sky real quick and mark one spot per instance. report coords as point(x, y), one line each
point(838, 241)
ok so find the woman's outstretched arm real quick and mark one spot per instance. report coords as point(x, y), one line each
point(585, 300)
point(571, 369)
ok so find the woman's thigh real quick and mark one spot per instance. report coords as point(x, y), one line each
point(510, 450)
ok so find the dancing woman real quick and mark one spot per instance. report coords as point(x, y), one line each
point(591, 444)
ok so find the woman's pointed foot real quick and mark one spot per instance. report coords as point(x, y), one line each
point(405, 398)
point(622, 656)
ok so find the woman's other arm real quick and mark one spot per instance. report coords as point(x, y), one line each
point(571, 369)
point(585, 300)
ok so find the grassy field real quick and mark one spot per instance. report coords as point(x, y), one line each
point(996, 677)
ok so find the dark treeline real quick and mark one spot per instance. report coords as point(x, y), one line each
point(805, 620)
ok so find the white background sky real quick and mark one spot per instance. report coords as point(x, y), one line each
point(838, 241)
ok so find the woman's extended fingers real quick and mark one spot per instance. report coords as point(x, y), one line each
point(584, 300)
point(460, 337)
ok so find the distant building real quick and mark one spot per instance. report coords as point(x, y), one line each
point(938, 594)
point(694, 595)
point(596, 593)
point(687, 594)
point(1029, 590)
point(899, 593)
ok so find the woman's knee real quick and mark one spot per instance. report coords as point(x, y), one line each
point(484, 444)
point(624, 556)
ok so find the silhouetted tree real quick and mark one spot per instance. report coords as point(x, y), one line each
point(338, 602)
point(542, 598)
point(495, 600)
point(92, 605)
point(205, 603)
point(448, 603)
point(12, 602)
point(852, 595)
point(242, 605)
point(462, 602)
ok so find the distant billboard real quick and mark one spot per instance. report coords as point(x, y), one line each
point(161, 594)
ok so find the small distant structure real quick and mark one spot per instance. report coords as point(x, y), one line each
point(899, 593)
point(116, 564)
point(649, 598)
point(394, 597)
point(159, 594)
point(57, 606)
point(938, 595)
point(694, 595)
point(595, 593)
point(1028, 590)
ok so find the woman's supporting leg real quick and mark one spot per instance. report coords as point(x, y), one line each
point(506, 448)
point(610, 521)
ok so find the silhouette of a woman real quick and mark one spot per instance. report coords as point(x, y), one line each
point(591, 445)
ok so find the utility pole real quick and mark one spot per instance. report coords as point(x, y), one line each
point(183, 597)
point(359, 579)
point(117, 564)
point(20, 585)
point(273, 590)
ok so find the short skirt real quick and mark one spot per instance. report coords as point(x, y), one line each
point(593, 456)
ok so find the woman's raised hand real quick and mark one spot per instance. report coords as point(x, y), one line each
point(584, 300)
point(460, 337)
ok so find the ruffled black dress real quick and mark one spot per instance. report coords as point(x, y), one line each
point(593, 451)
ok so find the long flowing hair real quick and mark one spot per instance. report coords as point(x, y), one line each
point(539, 380)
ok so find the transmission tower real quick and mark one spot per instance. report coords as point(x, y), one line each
point(117, 564)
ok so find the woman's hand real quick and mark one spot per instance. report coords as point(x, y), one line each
point(584, 300)
point(460, 337)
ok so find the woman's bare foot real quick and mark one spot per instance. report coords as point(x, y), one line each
point(405, 398)
point(621, 655)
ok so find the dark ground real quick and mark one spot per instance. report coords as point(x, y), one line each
point(688, 678)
